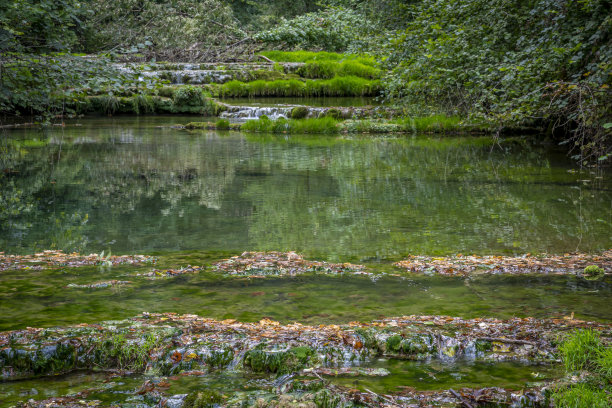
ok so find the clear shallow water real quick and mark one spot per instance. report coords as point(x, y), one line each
point(134, 185)
point(405, 374)
point(129, 186)
point(41, 299)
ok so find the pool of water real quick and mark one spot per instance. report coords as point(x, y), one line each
point(404, 375)
point(132, 185)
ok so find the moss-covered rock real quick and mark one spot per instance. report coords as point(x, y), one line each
point(279, 361)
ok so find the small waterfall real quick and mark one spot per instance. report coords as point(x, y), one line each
point(256, 112)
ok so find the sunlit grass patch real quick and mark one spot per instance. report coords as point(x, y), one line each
point(337, 86)
point(581, 396)
point(325, 125)
point(581, 350)
point(310, 56)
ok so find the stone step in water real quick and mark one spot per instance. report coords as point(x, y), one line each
point(243, 113)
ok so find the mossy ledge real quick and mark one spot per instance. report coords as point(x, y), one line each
point(156, 343)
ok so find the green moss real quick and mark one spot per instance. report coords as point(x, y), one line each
point(280, 362)
point(416, 345)
point(483, 345)
point(333, 113)
point(202, 399)
point(142, 104)
point(603, 363)
point(394, 343)
point(593, 272)
point(299, 112)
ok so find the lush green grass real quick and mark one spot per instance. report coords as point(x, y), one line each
point(325, 125)
point(426, 124)
point(581, 396)
point(337, 86)
point(580, 350)
point(310, 56)
point(603, 362)
point(330, 69)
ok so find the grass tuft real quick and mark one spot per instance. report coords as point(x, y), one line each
point(580, 350)
point(581, 396)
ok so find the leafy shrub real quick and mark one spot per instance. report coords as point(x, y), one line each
point(188, 96)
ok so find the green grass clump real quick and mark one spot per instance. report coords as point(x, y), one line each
point(310, 125)
point(433, 123)
point(337, 86)
point(581, 396)
point(142, 104)
point(202, 399)
point(222, 124)
point(603, 363)
point(580, 350)
point(310, 56)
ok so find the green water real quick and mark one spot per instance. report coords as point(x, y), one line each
point(432, 375)
point(135, 185)
point(126, 185)
point(41, 299)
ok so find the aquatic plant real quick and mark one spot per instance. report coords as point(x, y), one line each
point(593, 272)
point(580, 350)
point(222, 124)
point(279, 361)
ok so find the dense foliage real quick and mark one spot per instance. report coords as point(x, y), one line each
point(510, 63)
